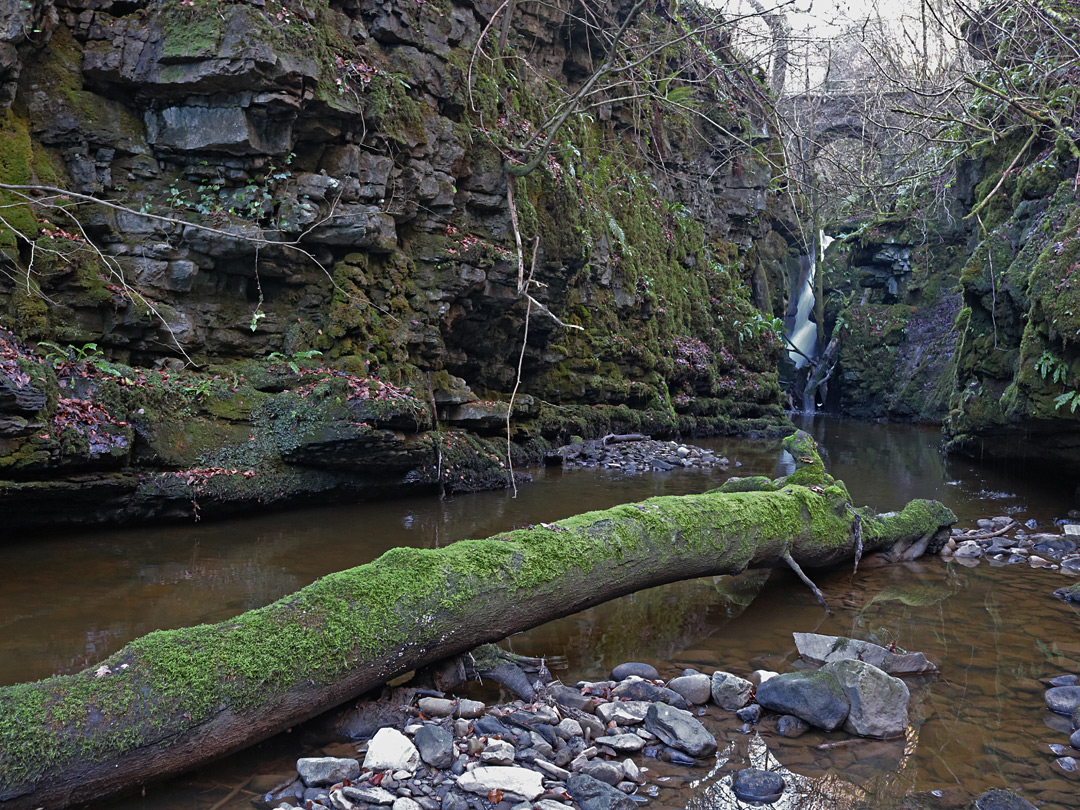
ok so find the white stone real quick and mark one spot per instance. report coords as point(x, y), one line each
point(498, 752)
point(404, 803)
point(623, 743)
point(623, 712)
point(515, 783)
point(390, 750)
point(759, 676)
point(368, 794)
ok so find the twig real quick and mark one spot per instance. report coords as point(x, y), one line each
point(232, 794)
point(786, 557)
point(521, 361)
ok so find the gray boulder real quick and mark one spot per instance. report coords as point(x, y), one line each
point(696, 688)
point(624, 671)
point(878, 701)
point(729, 691)
point(326, 771)
point(592, 794)
point(815, 697)
point(680, 730)
point(436, 746)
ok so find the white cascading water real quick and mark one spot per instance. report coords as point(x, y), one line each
point(803, 332)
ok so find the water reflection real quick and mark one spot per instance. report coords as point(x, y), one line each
point(69, 600)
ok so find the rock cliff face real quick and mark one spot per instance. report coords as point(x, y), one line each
point(311, 273)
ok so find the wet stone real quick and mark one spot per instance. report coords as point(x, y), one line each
point(791, 726)
point(624, 671)
point(1063, 680)
point(749, 714)
point(1063, 699)
point(1002, 800)
point(755, 785)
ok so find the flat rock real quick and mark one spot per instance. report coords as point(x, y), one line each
point(696, 688)
point(878, 701)
point(820, 649)
point(390, 750)
point(592, 794)
point(326, 771)
point(680, 730)
point(815, 697)
point(758, 786)
point(623, 743)
point(729, 691)
point(518, 783)
point(368, 794)
point(623, 712)
point(643, 690)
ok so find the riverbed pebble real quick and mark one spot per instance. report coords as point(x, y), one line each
point(635, 455)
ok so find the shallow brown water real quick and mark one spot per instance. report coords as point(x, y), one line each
point(68, 601)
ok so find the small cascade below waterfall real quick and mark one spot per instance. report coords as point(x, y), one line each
point(802, 332)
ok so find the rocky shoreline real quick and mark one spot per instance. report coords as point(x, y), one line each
point(635, 453)
point(585, 746)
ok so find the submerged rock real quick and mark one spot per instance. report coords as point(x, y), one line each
point(1002, 800)
point(758, 786)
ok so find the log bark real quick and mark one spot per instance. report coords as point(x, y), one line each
point(175, 699)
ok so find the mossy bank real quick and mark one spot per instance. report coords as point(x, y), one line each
point(312, 199)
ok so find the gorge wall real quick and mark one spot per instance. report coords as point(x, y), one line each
point(310, 273)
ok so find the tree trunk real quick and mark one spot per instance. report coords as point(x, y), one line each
point(175, 699)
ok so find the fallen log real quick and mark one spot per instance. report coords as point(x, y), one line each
point(175, 699)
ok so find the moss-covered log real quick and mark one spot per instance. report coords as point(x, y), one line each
point(174, 699)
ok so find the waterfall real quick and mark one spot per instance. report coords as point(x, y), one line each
point(801, 331)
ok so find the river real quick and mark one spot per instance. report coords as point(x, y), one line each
point(70, 599)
